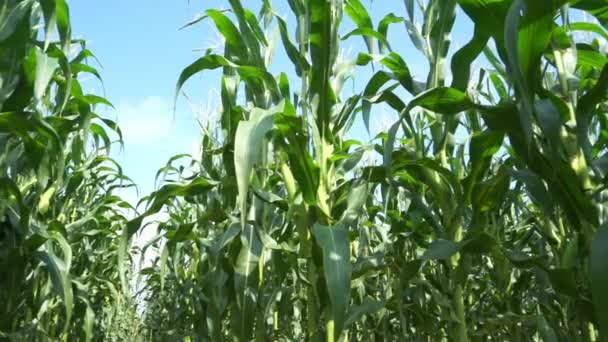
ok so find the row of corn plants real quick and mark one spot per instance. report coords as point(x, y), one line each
point(60, 222)
point(479, 214)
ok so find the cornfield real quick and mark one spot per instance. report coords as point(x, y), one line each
point(479, 213)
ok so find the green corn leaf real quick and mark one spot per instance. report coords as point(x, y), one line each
point(517, 73)
point(563, 281)
point(389, 144)
point(591, 58)
point(522, 260)
point(50, 19)
point(78, 68)
point(598, 271)
point(356, 199)
point(367, 307)
point(95, 100)
point(248, 149)
point(324, 50)
point(301, 164)
point(11, 188)
point(347, 114)
point(197, 19)
point(245, 283)
point(549, 119)
point(376, 82)
point(481, 150)
point(89, 320)
point(442, 250)
point(488, 16)
point(230, 33)
point(365, 265)
point(597, 8)
point(585, 110)
point(229, 235)
point(383, 26)
point(442, 100)
point(99, 132)
point(526, 39)
point(11, 20)
point(45, 68)
point(359, 15)
point(163, 267)
point(336, 268)
point(299, 61)
point(571, 253)
point(478, 243)
point(537, 190)
point(252, 21)
point(546, 331)
point(439, 38)
point(62, 13)
point(417, 38)
point(388, 96)
point(399, 68)
point(589, 27)
point(248, 37)
point(161, 197)
point(431, 164)
point(60, 277)
point(463, 59)
point(249, 73)
point(409, 6)
point(24, 122)
point(368, 34)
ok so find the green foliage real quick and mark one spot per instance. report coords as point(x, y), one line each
point(479, 214)
point(452, 230)
point(60, 224)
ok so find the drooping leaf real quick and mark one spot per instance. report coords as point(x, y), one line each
point(463, 58)
point(160, 198)
point(59, 271)
point(441, 250)
point(367, 307)
point(248, 149)
point(359, 15)
point(45, 68)
point(299, 61)
point(443, 100)
point(597, 8)
point(546, 332)
point(210, 62)
point(383, 26)
point(481, 150)
point(368, 34)
point(537, 190)
point(356, 199)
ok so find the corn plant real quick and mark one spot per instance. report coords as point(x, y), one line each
point(60, 224)
point(481, 219)
point(479, 214)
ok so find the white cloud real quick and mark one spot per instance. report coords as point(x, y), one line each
point(145, 121)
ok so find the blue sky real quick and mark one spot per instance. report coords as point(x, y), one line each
point(142, 53)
